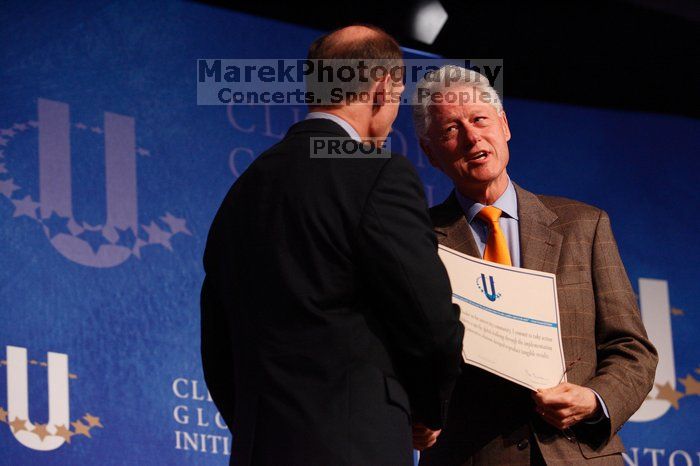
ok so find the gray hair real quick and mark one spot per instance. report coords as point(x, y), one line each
point(438, 81)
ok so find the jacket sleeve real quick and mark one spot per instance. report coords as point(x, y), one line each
point(216, 362)
point(398, 258)
point(217, 357)
point(626, 358)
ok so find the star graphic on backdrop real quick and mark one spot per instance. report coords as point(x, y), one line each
point(144, 152)
point(26, 207)
point(7, 132)
point(127, 237)
point(3, 414)
point(7, 187)
point(3, 142)
point(19, 126)
point(18, 424)
point(137, 247)
point(668, 393)
point(33, 123)
point(56, 224)
point(92, 420)
point(158, 236)
point(96, 129)
point(94, 238)
point(74, 227)
point(81, 125)
point(62, 431)
point(692, 386)
point(110, 234)
point(2, 168)
point(177, 225)
point(40, 430)
point(81, 428)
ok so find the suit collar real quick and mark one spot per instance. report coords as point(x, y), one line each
point(530, 205)
point(317, 125)
point(507, 203)
point(347, 127)
point(540, 245)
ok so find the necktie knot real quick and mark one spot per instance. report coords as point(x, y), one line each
point(496, 249)
point(490, 214)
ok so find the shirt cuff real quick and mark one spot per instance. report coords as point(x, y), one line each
point(603, 414)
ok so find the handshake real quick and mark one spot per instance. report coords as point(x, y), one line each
point(424, 437)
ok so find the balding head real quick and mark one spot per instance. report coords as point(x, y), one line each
point(355, 42)
point(355, 47)
point(344, 38)
point(357, 74)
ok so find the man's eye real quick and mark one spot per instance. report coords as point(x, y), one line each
point(450, 129)
point(479, 119)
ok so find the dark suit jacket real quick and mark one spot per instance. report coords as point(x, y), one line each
point(327, 319)
point(491, 421)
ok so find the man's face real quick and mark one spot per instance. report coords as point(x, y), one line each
point(468, 141)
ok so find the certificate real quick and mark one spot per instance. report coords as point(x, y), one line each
point(510, 317)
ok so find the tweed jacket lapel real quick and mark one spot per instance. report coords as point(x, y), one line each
point(540, 245)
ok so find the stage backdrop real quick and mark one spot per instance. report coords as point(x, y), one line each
point(110, 175)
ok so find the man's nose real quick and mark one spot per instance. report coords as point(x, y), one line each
point(470, 135)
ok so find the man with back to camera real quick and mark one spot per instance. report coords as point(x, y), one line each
point(327, 323)
point(610, 361)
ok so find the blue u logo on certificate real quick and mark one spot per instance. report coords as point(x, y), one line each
point(483, 287)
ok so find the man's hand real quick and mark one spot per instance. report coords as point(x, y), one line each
point(565, 405)
point(423, 437)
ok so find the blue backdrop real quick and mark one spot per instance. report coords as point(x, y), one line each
point(110, 175)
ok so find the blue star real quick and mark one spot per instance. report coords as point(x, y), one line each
point(56, 224)
point(94, 238)
point(127, 237)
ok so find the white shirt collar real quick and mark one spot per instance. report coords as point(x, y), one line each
point(335, 118)
point(508, 203)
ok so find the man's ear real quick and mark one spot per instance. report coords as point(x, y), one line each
point(380, 92)
point(428, 153)
point(504, 123)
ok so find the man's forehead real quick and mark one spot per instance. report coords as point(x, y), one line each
point(452, 110)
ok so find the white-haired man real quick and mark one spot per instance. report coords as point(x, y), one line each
point(464, 131)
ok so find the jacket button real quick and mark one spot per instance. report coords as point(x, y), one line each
point(523, 444)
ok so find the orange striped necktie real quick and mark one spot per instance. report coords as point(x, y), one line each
point(496, 247)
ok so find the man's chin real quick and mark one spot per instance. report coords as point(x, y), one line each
point(482, 177)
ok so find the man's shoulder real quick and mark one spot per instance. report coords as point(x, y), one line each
point(565, 215)
point(569, 209)
point(565, 209)
point(291, 165)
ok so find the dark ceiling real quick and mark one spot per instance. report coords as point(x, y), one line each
point(627, 54)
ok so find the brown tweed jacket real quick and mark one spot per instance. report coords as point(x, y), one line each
point(490, 420)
